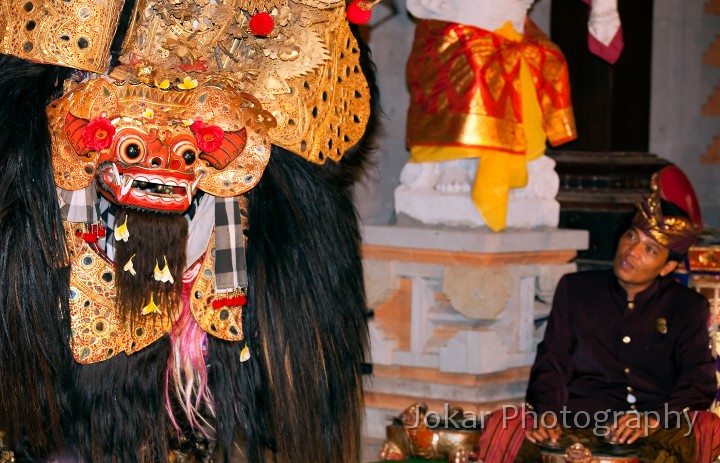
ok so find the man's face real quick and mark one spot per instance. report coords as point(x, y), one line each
point(640, 259)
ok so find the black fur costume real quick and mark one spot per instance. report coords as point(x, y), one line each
point(298, 398)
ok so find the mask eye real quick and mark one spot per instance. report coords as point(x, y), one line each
point(187, 151)
point(131, 149)
point(188, 156)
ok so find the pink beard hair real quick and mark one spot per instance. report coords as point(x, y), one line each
point(186, 372)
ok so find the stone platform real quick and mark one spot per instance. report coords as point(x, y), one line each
point(457, 313)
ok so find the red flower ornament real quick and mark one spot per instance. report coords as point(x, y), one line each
point(98, 134)
point(209, 137)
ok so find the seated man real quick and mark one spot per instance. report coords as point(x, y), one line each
point(625, 355)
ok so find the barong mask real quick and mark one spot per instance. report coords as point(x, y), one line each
point(152, 149)
point(173, 330)
point(202, 90)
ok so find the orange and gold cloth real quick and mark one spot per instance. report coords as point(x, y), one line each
point(496, 96)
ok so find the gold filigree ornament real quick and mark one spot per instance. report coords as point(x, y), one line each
point(306, 71)
point(97, 333)
point(72, 33)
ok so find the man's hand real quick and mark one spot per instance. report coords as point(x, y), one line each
point(542, 433)
point(632, 426)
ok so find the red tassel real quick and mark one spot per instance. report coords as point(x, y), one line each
point(359, 11)
point(89, 237)
point(262, 24)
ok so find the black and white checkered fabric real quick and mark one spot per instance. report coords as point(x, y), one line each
point(79, 206)
point(230, 266)
point(87, 206)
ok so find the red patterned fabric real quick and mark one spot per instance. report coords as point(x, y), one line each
point(465, 87)
point(707, 436)
point(502, 437)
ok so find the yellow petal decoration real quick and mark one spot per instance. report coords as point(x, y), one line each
point(129, 266)
point(245, 354)
point(151, 307)
point(164, 85)
point(148, 114)
point(163, 275)
point(187, 122)
point(122, 233)
point(166, 275)
point(188, 84)
point(157, 273)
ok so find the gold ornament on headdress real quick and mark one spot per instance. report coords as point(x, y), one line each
point(305, 71)
point(674, 232)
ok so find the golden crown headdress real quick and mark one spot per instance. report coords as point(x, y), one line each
point(298, 58)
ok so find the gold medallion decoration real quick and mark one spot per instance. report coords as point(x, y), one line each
point(97, 333)
point(221, 318)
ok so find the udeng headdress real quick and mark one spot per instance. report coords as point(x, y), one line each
point(676, 233)
point(298, 58)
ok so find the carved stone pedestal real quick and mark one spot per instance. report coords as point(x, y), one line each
point(457, 314)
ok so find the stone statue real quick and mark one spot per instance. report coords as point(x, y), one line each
point(488, 88)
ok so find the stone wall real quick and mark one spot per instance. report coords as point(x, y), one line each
point(457, 313)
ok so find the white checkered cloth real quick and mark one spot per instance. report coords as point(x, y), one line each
point(206, 211)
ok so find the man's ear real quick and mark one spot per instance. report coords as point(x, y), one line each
point(669, 267)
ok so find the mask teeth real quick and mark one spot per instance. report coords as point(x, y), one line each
point(125, 187)
point(118, 177)
point(189, 191)
point(195, 183)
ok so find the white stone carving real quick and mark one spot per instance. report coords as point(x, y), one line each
point(437, 193)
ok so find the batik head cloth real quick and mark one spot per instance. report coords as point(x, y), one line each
point(676, 233)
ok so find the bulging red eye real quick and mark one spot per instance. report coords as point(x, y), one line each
point(131, 149)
